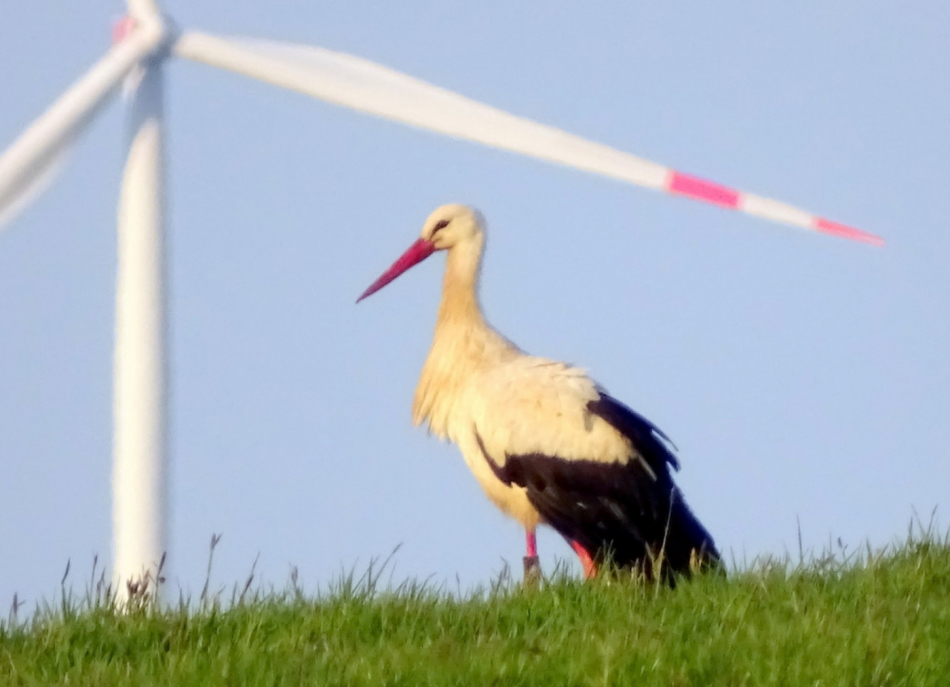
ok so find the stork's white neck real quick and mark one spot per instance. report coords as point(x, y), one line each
point(460, 284)
point(463, 342)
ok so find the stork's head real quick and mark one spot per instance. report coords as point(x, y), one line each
point(452, 224)
point(449, 226)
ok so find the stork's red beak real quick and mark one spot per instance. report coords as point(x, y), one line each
point(417, 252)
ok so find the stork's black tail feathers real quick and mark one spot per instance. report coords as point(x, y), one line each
point(687, 546)
point(677, 544)
point(659, 551)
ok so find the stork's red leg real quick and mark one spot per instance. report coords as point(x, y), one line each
point(531, 544)
point(587, 561)
point(532, 566)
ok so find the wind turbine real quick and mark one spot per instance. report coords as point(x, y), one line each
point(144, 41)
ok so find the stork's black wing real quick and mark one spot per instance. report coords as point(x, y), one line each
point(630, 512)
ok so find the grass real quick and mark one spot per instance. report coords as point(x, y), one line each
point(870, 619)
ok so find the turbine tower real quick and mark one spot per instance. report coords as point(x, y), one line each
point(140, 400)
point(143, 42)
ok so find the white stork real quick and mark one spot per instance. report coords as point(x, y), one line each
point(547, 443)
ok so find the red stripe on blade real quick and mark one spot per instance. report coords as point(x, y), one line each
point(700, 189)
point(826, 226)
point(122, 29)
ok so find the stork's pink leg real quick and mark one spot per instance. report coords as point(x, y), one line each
point(590, 568)
point(532, 566)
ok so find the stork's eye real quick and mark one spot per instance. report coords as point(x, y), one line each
point(441, 224)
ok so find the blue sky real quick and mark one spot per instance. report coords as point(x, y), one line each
point(804, 378)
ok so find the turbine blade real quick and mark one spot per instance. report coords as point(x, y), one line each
point(31, 162)
point(31, 186)
point(368, 87)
